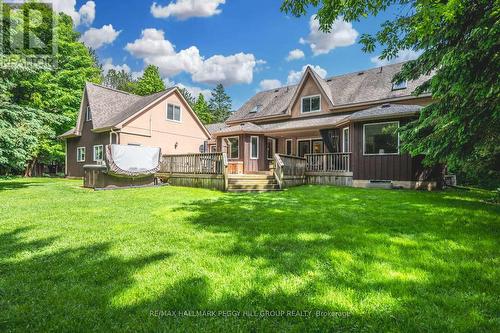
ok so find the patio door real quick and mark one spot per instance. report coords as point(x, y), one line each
point(304, 147)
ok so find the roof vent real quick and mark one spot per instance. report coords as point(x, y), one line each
point(256, 109)
point(383, 106)
point(276, 90)
point(361, 73)
point(329, 80)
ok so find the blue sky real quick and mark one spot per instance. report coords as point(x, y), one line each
point(240, 43)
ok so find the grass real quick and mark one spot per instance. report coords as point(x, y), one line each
point(370, 260)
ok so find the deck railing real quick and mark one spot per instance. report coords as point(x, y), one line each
point(329, 162)
point(206, 163)
point(293, 165)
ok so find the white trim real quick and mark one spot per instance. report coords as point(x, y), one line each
point(385, 122)
point(343, 139)
point(291, 146)
point(78, 159)
point(180, 113)
point(251, 150)
point(302, 104)
point(233, 137)
point(93, 153)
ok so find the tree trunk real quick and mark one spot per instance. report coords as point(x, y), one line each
point(29, 168)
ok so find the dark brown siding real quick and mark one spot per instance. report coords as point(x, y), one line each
point(383, 167)
point(87, 140)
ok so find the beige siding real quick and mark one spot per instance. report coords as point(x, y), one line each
point(151, 128)
point(308, 89)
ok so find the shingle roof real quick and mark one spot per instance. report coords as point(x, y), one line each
point(241, 128)
point(212, 128)
point(106, 103)
point(386, 110)
point(303, 123)
point(363, 86)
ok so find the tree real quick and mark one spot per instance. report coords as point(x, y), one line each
point(187, 96)
point(220, 104)
point(120, 80)
point(202, 110)
point(23, 129)
point(150, 82)
point(54, 90)
point(459, 41)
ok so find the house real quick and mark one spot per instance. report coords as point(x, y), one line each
point(345, 126)
point(106, 116)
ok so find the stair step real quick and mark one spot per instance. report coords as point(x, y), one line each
point(253, 190)
point(253, 187)
point(252, 182)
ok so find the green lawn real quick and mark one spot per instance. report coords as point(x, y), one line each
point(75, 260)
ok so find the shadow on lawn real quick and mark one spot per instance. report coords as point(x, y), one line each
point(406, 260)
point(345, 253)
point(13, 185)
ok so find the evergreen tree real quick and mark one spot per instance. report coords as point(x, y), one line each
point(120, 80)
point(150, 82)
point(220, 104)
point(202, 110)
point(187, 95)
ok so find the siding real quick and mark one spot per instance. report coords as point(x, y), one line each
point(378, 167)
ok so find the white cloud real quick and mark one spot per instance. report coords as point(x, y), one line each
point(342, 34)
point(85, 15)
point(269, 84)
point(295, 54)
point(184, 9)
point(403, 55)
point(237, 68)
point(96, 38)
point(196, 91)
point(295, 76)
point(154, 49)
point(107, 65)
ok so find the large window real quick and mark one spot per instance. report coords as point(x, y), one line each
point(98, 153)
point(381, 138)
point(304, 147)
point(173, 112)
point(271, 148)
point(289, 146)
point(254, 147)
point(311, 104)
point(345, 140)
point(233, 147)
point(80, 154)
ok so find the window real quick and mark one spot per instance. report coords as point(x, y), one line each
point(381, 138)
point(288, 147)
point(271, 148)
point(98, 153)
point(399, 85)
point(88, 115)
point(317, 146)
point(233, 147)
point(311, 104)
point(80, 154)
point(254, 147)
point(345, 140)
point(256, 109)
point(304, 147)
point(173, 112)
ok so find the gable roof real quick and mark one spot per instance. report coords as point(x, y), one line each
point(360, 87)
point(212, 128)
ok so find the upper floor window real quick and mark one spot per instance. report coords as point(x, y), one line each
point(399, 85)
point(311, 104)
point(381, 138)
point(173, 112)
point(88, 115)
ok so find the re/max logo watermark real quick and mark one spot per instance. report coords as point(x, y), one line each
point(28, 30)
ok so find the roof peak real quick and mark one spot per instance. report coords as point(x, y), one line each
point(111, 89)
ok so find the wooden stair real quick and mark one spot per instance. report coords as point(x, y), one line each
point(252, 183)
